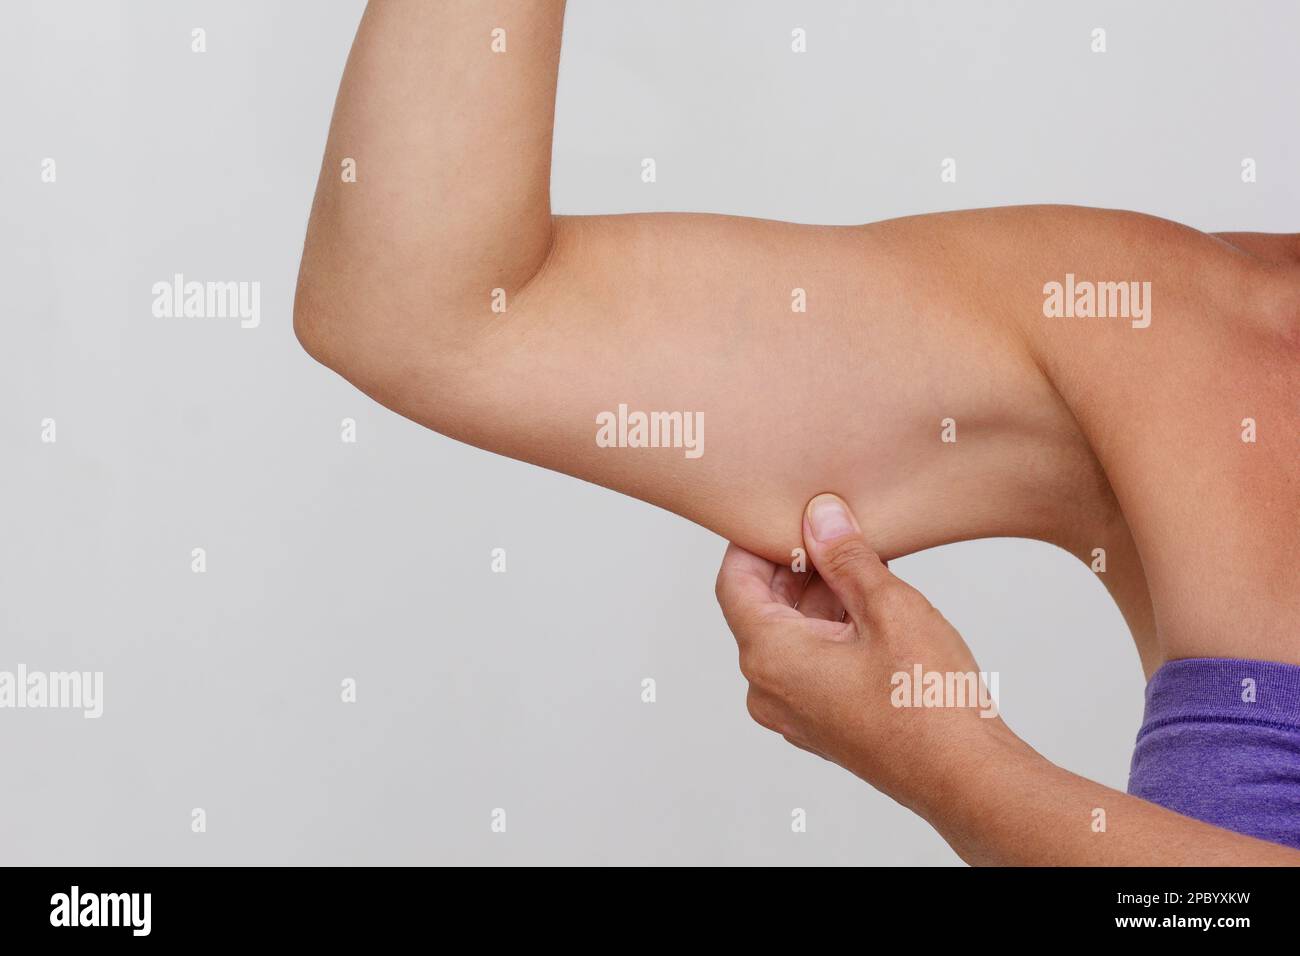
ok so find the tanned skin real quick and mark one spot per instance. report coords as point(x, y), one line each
point(1085, 433)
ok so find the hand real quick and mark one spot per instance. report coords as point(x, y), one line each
point(832, 661)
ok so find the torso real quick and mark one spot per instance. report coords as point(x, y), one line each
point(1194, 420)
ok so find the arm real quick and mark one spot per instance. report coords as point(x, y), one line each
point(1022, 810)
point(674, 313)
point(1275, 247)
point(452, 145)
point(910, 323)
point(831, 687)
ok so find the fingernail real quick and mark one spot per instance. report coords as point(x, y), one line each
point(829, 518)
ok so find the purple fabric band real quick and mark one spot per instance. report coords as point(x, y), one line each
point(1220, 741)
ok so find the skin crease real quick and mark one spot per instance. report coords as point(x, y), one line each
point(1085, 433)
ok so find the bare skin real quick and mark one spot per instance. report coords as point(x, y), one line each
point(1086, 433)
point(819, 654)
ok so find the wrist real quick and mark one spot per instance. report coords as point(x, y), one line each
point(969, 795)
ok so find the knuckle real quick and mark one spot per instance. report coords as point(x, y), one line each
point(749, 663)
point(760, 711)
point(746, 622)
point(894, 602)
point(933, 617)
point(845, 555)
point(756, 666)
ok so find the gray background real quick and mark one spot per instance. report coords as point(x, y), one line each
point(327, 560)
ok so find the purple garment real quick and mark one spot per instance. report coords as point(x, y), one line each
point(1220, 741)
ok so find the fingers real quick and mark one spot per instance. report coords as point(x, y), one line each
point(745, 590)
point(819, 601)
point(853, 572)
point(747, 570)
point(788, 586)
point(743, 577)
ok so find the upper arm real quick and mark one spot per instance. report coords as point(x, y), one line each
point(794, 347)
point(693, 315)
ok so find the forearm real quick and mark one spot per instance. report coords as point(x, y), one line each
point(1012, 807)
point(452, 144)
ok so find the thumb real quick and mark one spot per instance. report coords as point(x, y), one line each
point(848, 565)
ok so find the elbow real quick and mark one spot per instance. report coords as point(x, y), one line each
point(334, 329)
point(334, 332)
point(337, 334)
point(313, 325)
point(379, 343)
